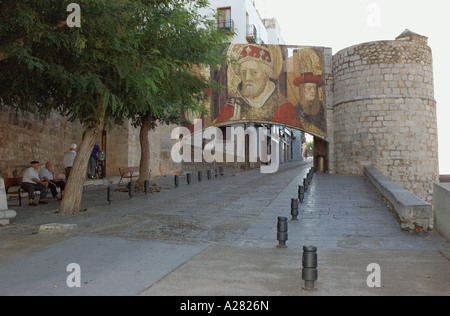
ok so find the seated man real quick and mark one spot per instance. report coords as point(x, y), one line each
point(47, 175)
point(31, 182)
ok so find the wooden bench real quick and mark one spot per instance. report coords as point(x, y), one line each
point(15, 184)
point(128, 173)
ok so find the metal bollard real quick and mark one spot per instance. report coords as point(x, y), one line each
point(177, 181)
point(309, 271)
point(305, 184)
point(200, 176)
point(282, 234)
point(294, 209)
point(301, 193)
point(188, 178)
point(131, 189)
point(208, 174)
point(146, 187)
point(109, 195)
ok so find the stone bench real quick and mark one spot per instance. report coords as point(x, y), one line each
point(412, 213)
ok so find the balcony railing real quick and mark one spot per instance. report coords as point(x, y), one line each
point(226, 25)
point(252, 34)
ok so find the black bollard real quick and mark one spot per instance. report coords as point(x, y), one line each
point(200, 176)
point(294, 209)
point(146, 187)
point(309, 271)
point(301, 193)
point(305, 184)
point(188, 178)
point(282, 234)
point(131, 189)
point(109, 195)
point(177, 181)
point(208, 174)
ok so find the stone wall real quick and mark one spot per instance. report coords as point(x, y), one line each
point(161, 145)
point(24, 138)
point(124, 149)
point(385, 112)
point(329, 97)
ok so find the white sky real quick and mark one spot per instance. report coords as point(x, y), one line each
point(342, 23)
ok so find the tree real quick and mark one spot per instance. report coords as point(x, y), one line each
point(109, 69)
point(195, 42)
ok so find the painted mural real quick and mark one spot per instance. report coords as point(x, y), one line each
point(279, 85)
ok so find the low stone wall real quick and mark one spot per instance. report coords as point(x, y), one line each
point(411, 212)
point(442, 209)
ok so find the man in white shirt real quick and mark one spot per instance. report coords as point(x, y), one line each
point(47, 175)
point(69, 158)
point(31, 182)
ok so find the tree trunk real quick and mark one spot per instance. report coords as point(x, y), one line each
point(144, 165)
point(71, 202)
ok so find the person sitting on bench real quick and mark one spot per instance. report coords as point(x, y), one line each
point(47, 175)
point(31, 182)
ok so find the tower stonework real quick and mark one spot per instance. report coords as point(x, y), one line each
point(384, 112)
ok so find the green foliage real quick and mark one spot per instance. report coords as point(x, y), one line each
point(128, 58)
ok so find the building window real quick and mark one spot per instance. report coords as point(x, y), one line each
point(224, 19)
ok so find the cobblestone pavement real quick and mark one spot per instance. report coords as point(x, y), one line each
point(218, 237)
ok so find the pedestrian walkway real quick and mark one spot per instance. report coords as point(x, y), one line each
point(218, 237)
point(338, 212)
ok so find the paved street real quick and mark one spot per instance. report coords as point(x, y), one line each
point(218, 237)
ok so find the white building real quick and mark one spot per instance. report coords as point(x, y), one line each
point(274, 31)
point(243, 17)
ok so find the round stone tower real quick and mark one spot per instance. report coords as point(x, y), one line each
point(385, 113)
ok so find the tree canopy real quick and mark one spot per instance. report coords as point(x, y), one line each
point(133, 56)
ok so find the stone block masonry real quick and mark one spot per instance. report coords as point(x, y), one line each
point(124, 149)
point(24, 138)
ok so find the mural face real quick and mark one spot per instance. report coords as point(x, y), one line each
point(279, 85)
